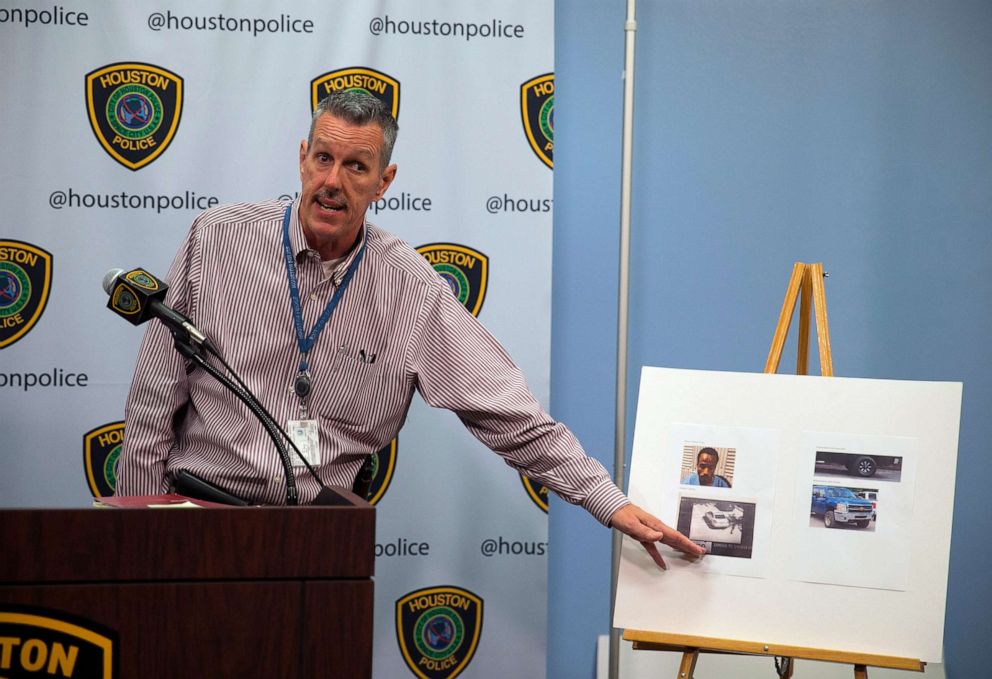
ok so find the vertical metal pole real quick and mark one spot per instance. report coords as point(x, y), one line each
point(619, 456)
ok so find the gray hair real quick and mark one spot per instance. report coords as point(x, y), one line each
point(358, 108)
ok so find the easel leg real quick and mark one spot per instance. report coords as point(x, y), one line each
point(806, 284)
point(786, 668)
point(688, 664)
point(860, 672)
point(822, 330)
point(805, 302)
point(785, 317)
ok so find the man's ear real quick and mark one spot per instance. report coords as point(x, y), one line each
point(303, 155)
point(388, 175)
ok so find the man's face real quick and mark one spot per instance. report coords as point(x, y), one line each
point(705, 468)
point(341, 174)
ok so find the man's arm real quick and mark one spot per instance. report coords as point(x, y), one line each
point(461, 367)
point(159, 391)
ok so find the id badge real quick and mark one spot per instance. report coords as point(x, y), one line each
point(305, 435)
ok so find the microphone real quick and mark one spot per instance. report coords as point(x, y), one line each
point(137, 296)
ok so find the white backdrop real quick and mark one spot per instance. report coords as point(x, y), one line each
point(468, 176)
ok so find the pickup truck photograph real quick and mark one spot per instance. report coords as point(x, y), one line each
point(838, 505)
point(862, 465)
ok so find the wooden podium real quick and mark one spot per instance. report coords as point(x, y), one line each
point(218, 592)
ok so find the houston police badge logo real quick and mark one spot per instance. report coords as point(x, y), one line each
point(383, 466)
point(438, 630)
point(466, 270)
point(39, 642)
point(25, 281)
point(381, 86)
point(101, 453)
point(127, 302)
point(537, 107)
point(134, 110)
point(537, 492)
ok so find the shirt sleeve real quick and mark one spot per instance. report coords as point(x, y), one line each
point(461, 367)
point(159, 390)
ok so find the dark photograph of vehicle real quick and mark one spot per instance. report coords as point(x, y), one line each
point(861, 465)
point(724, 527)
point(843, 507)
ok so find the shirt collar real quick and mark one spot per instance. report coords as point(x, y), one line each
point(299, 246)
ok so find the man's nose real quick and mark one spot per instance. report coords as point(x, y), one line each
point(332, 178)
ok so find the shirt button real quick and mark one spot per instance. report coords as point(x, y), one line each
point(313, 297)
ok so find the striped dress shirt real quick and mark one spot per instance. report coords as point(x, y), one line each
point(230, 278)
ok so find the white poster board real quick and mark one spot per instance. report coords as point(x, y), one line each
point(830, 526)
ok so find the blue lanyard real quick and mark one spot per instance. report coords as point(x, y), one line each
point(306, 342)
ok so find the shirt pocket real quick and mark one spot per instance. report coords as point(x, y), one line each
point(363, 392)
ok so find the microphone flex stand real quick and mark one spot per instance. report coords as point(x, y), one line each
point(192, 352)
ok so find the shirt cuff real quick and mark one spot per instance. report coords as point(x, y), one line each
point(604, 500)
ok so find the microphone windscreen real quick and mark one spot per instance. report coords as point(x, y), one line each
point(109, 278)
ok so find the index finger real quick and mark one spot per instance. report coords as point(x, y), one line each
point(652, 549)
point(680, 542)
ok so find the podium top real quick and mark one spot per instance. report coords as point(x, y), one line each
point(148, 544)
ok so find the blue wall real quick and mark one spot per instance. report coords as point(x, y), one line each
point(588, 110)
point(854, 133)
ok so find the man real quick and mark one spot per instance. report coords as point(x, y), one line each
point(372, 323)
point(705, 474)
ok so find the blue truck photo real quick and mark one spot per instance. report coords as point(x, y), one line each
point(838, 505)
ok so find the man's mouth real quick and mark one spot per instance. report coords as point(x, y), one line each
point(329, 205)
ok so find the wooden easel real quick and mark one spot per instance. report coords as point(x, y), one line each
point(805, 284)
point(690, 647)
